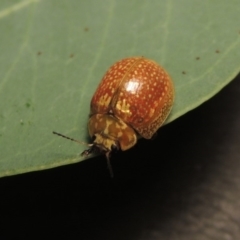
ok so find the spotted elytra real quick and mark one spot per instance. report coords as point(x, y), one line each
point(133, 100)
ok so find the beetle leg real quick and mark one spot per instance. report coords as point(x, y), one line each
point(109, 164)
point(87, 152)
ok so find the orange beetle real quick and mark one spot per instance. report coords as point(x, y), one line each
point(133, 100)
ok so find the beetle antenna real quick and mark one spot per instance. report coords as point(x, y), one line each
point(72, 139)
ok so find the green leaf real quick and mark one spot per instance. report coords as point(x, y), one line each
point(54, 53)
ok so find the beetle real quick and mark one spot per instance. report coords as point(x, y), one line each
point(132, 101)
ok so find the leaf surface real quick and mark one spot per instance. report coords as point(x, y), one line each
point(54, 53)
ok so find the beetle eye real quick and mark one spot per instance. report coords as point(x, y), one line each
point(93, 138)
point(114, 147)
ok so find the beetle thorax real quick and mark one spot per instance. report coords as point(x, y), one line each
point(111, 133)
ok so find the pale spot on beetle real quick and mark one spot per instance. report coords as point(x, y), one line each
point(151, 112)
point(126, 106)
point(130, 138)
point(119, 134)
point(123, 106)
point(106, 130)
point(104, 100)
point(122, 126)
point(155, 103)
point(99, 118)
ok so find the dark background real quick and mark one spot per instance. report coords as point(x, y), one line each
point(185, 184)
